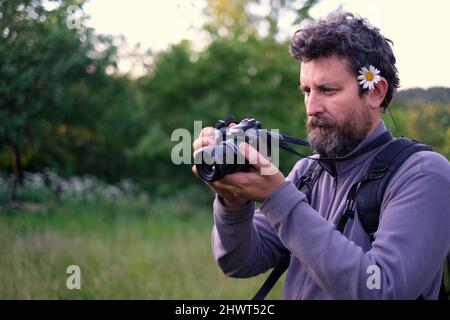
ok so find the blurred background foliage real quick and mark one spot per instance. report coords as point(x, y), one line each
point(84, 145)
point(65, 106)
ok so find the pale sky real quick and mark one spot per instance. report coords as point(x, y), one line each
point(419, 29)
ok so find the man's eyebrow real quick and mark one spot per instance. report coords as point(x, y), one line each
point(326, 85)
point(322, 86)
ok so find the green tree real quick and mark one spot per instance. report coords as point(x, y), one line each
point(256, 78)
point(429, 123)
point(235, 19)
point(45, 65)
point(240, 73)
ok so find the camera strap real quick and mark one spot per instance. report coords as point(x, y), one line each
point(285, 140)
point(284, 144)
point(379, 141)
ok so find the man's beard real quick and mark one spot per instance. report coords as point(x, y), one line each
point(331, 140)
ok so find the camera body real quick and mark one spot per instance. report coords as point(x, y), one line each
point(213, 162)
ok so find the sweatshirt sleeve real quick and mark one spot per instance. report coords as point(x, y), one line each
point(244, 243)
point(411, 243)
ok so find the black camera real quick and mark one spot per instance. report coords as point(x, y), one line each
point(213, 162)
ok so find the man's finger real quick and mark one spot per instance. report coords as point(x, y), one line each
point(263, 166)
point(207, 132)
point(194, 170)
point(253, 156)
point(225, 187)
point(202, 142)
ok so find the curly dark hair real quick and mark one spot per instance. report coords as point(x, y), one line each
point(351, 37)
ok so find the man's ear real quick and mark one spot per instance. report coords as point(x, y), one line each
point(376, 96)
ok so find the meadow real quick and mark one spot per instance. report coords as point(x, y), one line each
point(126, 248)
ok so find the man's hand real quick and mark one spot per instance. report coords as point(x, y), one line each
point(206, 137)
point(257, 185)
point(236, 188)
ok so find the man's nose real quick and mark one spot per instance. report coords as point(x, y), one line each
point(314, 104)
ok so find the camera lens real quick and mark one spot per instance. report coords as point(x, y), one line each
point(216, 161)
point(207, 172)
point(205, 163)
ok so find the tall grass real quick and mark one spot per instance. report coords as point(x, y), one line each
point(126, 249)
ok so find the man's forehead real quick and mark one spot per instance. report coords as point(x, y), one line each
point(331, 69)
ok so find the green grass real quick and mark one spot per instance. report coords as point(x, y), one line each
point(125, 250)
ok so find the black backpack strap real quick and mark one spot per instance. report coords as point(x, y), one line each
point(367, 194)
point(273, 278)
point(305, 184)
point(349, 209)
point(385, 164)
point(307, 181)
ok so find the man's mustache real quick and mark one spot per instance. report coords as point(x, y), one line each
point(320, 121)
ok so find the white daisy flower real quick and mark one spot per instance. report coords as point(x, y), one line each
point(369, 77)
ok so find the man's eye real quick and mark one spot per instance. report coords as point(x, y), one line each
point(329, 91)
point(306, 92)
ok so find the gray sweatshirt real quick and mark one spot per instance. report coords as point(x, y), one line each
point(412, 240)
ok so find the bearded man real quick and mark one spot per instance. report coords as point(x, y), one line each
point(348, 77)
